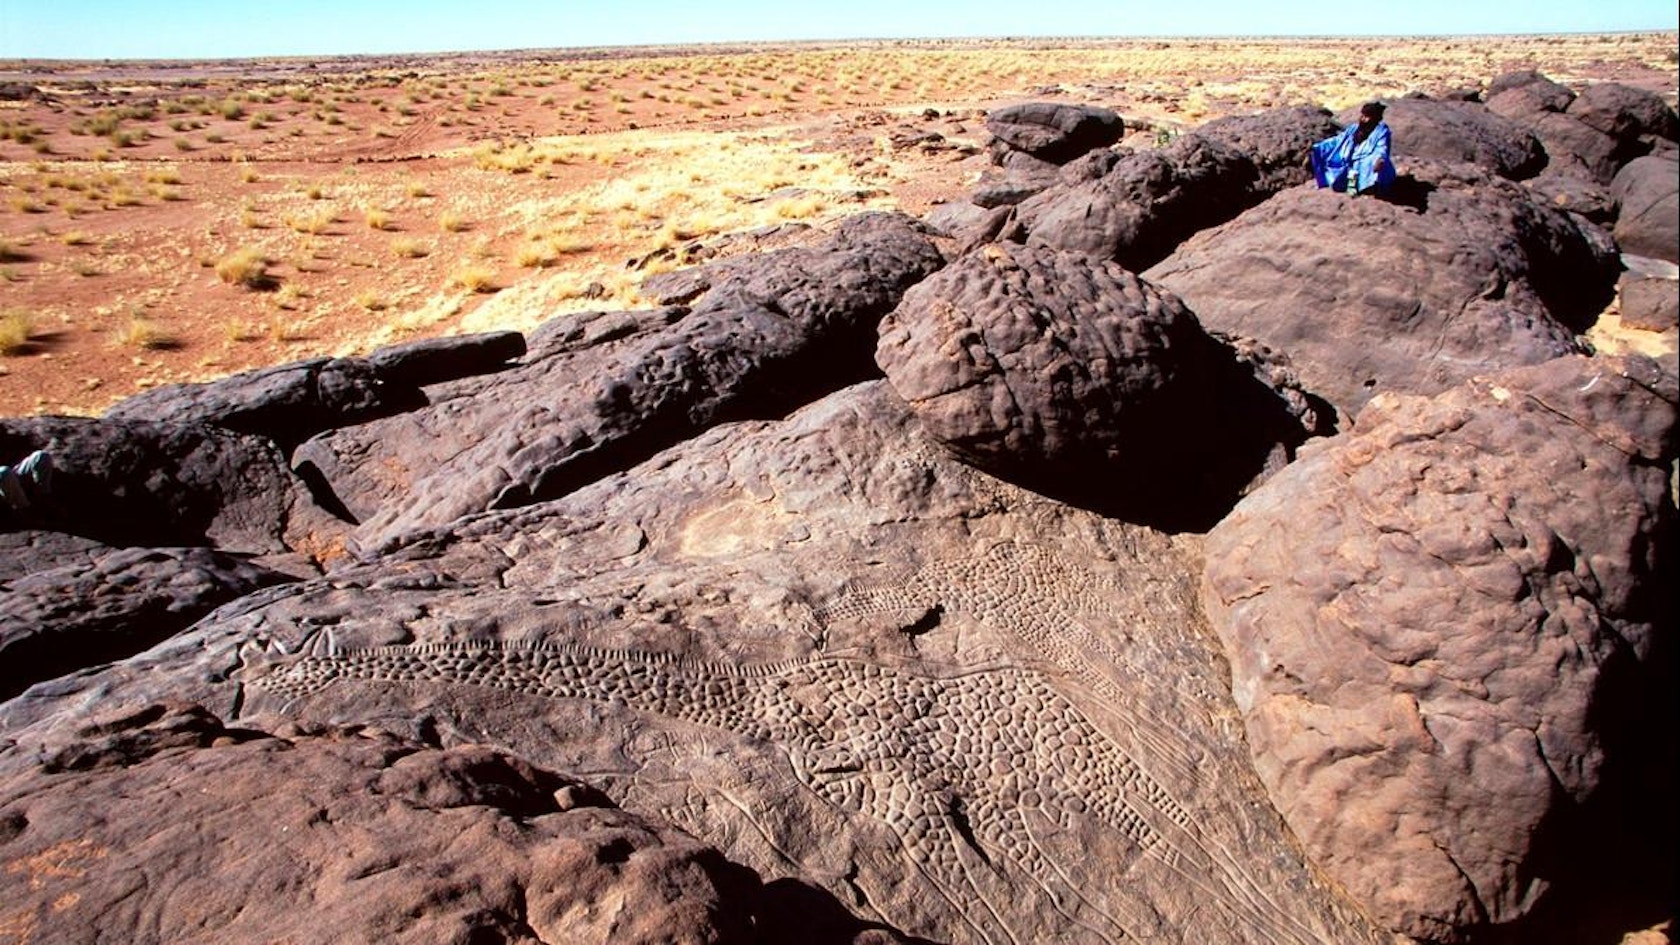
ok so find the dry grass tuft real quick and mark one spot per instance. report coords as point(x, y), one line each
point(16, 326)
point(143, 333)
point(246, 267)
point(475, 279)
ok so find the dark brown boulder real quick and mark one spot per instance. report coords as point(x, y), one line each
point(287, 403)
point(1366, 295)
point(1443, 647)
point(105, 604)
point(1625, 113)
point(169, 827)
point(1429, 130)
point(154, 484)
point(769, 333)
point(1277, 141)
point(1649, 303)
point(1053, 131)
point(1076, 378)
point(1521, 96)
point(1647, 195)
point(1145, 206)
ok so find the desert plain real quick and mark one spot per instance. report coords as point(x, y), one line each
point(173, 221)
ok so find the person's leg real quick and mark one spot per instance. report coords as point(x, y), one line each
point(36, 471)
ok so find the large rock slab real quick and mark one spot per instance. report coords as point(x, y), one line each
point(772, 332)
point(289, 403)
point(823, 646)
point(164, 825)
point(1647, 194)
point(1442, 631)
point(111, 604)
point(155, 483)
point(1367, 295)
point(1145, 206)
point(1077, 378)
point(1056, 132)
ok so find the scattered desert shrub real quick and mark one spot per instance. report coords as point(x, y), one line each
point(316, 221)
point(451, 222)
point(535, 255)
point(408, 248)
point(142, 332)
point(246, 267)
point(16, 326)
point(474, 279)
point(370, 300)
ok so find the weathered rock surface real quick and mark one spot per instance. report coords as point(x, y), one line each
point(808, 625)
point(1523, 95)
point(772, 333)
point(1056, 132)
point(1077, 378)
point(155, 483)
point(1440, 642)
point(821, 644)
point(1429, 130)
point(1277, 141)
point(1367, 295)
point(1647, 195)
point(1145, 206)
point(110, 604)
point(170, 827)
point(1649, 303)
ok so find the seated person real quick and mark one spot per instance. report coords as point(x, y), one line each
point(1358, 160)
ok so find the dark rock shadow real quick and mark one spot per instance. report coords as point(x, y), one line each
point(793, 911)
point(1408, 191)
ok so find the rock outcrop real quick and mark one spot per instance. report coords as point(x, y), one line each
point(1481, 277)
point(773, 332)
point(1453, 132)
point(885, 585)
point(1439, 642)
point(175, 828)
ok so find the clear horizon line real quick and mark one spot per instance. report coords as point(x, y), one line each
point(727, 44)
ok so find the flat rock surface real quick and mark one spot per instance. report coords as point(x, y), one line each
point(1439, 642)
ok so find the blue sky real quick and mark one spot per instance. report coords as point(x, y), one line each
point(161, 29)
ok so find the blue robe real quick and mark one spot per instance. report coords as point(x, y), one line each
point(1333, 158)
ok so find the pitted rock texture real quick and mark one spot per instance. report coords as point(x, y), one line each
point(1145, 206)
point(110, 604)
point(1277, 141)
point(1368, 295)
point(1452, 132)
point(773, 332)
point(1076, 377)
point(821, 644)
point(1055, 132)
point(181, 830)
point(1440, 641)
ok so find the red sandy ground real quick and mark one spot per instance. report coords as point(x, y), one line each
point(107, 226)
